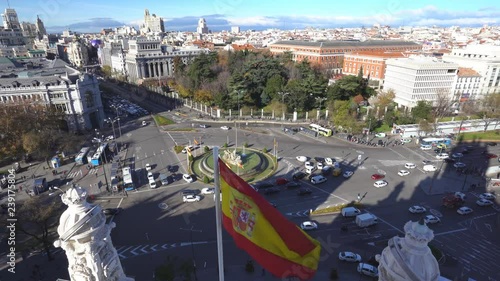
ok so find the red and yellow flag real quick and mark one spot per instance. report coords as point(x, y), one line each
point(196, 142)
point(276, 243)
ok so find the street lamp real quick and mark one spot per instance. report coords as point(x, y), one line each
point(118, 118)
point(99, 141)
point(192, 246)
point(320, 99)
point(283, 94)
point(109, 120)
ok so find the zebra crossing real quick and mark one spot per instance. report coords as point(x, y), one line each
point(75, 174)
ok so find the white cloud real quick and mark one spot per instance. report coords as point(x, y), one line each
point(254, 21)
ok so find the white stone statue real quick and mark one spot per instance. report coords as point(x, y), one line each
point(85, 237)
point(232, 157)
point(409, 258)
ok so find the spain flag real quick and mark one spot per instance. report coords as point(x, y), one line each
point(277, 244)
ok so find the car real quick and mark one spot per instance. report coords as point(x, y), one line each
point(492, 143)
point(320, 165)
point(367, 269)
point(318, 179)
point(459, 165)
point(327, 170)
point(487, 195)
point(329, 161)
point(108, 138)
point(406, 140)
point(431, 219)
point(426, 147)
point(204, 126)
point(191, 198)
point(187, 177)
point(439, 150)
point(403, 173)
point(302, 158)
point(111, 211)
point(281, 181)
point(208, 190)
point(148, 167)
point(186, 192)
point(298, 176)
point(429, 168)
point(151, 176)
point(377, 176)
point(263, 184)
point(449, 160)
point(144, 123)
point(347, 174)
point(442, 156)
point(225, 128)
point(271, 190)
point(464, 210)
point(349, 256)
point(490, 155)
point(417, 209)
point(380, 143)
point(380, 135)
point(379, 184)
point(309, 225)
point(309, 165)
point(304, 191)
point(457, 155)
point(484, 202)
point(410, 166)
point(460, 195)
point(426, 162)
point(292, 184)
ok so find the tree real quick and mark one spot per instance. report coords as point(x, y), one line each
point(360, 73)
point(166, 271)
point(442, 104)
point(106, 71)
point(36, 219)
point(422, 111)
point(348, 87)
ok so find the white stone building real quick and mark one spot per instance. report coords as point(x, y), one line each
point(78, 53)
point(484, 59)
point(152, 24)
point(466, 86)
point(419, 78)
point(10, 19)
point(202, 26)
point(55, 84)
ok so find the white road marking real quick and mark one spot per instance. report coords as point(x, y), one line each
point(451, 231)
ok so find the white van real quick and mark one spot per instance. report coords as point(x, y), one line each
point(350, 212)
point(318, 179)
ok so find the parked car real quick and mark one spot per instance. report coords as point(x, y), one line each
point(429, 168)
point(492, 143)
point(186, 192)
point(304, 191)
point(380, 135)
point(410, 166)
point(191, 198)
point(225, 128)
point(208, 190)
point(417, 209)
point(329, 161)
point(298, 176)
point(187, 177)
point(442, 156)
point(487, 195)
point(403, 173)
point(457, 155)
point(349, 256)
point(148, 167)
point(367, 269)
point(347, 174)
point(320, 165)
point(302, 158)
point(460, 195)
point(406, 140)
point(431, 219)
point(144, 123)
point(281, 181)
point(318, 179)
point(204, 126)
point(379, 184)
point(309, 225)
point(464, 210)
point(309, 165)
point(150, 176)
point(292, 184)
point(459, 165)
point(377, 176)
point(484, 202)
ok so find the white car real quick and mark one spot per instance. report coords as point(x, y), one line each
point(417, 209)
point(457, 155)
point(187, 149)
point(380, 135)
point(308, 225)
point(431, 219)
point(406, 140)
point(459, 165)
point(152, 184)
point(329, 161)
point(410, 166)
point(426, 147)
point(488, 196)
point(460, 195)
point(309, 165)
point(144, 123)
point(464, 210)
point(442, 156)
point(349, 256)
point(347, 174)
point(430, 168)
point(367, 269)
point(187, 178)
point(208, 190)
point(225, 128)
point(148, 167)
point(320, 165)
point(151, 177)
point(191, 198)
point(301, 158)
point(484, 202)
point(379, 184)
point(403, 173)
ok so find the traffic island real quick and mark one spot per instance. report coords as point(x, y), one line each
point(335, 209)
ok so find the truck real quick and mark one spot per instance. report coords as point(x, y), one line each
point(452, 201)
point(365, 220)
point(128, 181)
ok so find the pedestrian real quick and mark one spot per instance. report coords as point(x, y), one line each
point(20, 188)
point(126, 193)
point(96, 175)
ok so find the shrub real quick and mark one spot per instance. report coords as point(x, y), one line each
point(265, 150)
point(225, 145)
point(245, 144)
point(206, 149)
point(178, 148)
point(206, 179)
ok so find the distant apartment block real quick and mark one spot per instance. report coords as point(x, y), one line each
point(419, 79)
point(466, 86)
point(485, 59)
point(235, 29)
point(330, 54)
point(373, 63)
point(202, 26)
point(152, 23)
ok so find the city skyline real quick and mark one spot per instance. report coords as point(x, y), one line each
point(93, 15)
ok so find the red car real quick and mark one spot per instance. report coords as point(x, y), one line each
point(281, 181)
point(377, 176)
point(491, 155)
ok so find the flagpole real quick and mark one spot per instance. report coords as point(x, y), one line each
point(218, 214)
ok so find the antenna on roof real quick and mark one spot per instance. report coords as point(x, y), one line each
point(8, 4)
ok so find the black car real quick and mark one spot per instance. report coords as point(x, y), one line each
point(189, 192)
point(292, 184)
point(304, 191)
point(298, 176)
point(263, 184)
point(204, 126)
point(111, 211)
point(492, 143)
point(272, 190)
point(319, 159)
point(449, 160)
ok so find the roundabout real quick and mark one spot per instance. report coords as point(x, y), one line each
point(250, 164)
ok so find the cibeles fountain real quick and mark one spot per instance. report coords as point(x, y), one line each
point(85, 237)
point(409, 258)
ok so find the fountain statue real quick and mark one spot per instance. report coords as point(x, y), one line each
point(231, 157)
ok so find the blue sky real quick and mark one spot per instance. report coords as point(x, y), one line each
point(93, 15)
